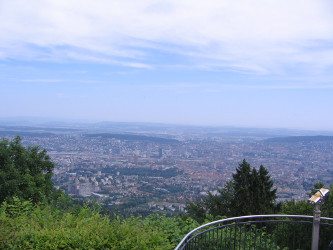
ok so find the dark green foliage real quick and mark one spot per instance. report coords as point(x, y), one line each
point(197, 210)
point(304, 207)
point(250, 192)
point(214, 206)
point(297, 207)
point(327, 208)
point(24, 172)
point(254, 193)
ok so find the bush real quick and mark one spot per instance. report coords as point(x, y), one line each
point(43, 227)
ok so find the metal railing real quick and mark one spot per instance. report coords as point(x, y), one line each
point(259, 232)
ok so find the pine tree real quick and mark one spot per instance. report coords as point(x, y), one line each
point(242, 187)
point(249, 192)
point(253, 190)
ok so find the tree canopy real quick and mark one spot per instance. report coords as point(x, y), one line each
point(25, 172)
point(254, 193)
point(249, 192)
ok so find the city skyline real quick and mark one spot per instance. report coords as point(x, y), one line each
point(221, 63)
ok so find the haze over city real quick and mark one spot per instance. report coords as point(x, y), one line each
point(222, 63)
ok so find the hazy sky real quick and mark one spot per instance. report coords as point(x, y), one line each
point(258, 63)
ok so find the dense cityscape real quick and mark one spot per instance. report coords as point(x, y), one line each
point(155, 171)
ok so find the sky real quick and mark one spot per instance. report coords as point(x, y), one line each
point(246, 63)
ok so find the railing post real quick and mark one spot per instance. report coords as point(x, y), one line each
point(316, 227)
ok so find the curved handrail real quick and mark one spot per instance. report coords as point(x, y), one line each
point(242, 218)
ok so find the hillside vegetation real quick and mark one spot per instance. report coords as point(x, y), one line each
point(27, 226)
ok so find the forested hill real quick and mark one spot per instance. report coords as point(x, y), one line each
point(131, 137)
point(24, 133)
point(34, 131)
point(293, 139)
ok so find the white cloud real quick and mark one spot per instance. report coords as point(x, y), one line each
point(246, 35)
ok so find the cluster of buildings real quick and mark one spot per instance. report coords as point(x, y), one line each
point(119, 170)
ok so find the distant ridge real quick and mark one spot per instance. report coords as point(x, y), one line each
point(22, 133)
point(317, 138)
point(131, 137)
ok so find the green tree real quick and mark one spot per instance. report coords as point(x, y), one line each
point(25, 172)
point(254, 193)
point(249, 192)
point(304, 207)
point(212, 206)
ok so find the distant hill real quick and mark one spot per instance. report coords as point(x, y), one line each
point(131, 137)
point(21, 133)
point(30, 129)
point(318, 138)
